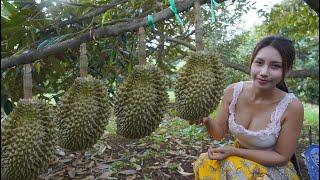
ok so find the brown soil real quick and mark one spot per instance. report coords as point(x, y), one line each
point(122, 158)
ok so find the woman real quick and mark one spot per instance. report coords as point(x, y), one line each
point(265, 119)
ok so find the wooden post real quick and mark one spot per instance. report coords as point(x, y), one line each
point(27, 82)
point(161, 55)
point(198, 30)
point(142, 47)
point(83, 60)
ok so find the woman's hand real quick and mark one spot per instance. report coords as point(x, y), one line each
point(221, 153)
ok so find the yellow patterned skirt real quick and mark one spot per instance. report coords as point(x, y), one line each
point(235, 167)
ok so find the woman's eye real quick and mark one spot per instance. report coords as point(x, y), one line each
point(276, 66)
point(258, 62)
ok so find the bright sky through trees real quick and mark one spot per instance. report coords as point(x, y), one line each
point(251, 18)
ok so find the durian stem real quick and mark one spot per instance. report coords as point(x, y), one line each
point(161, 54)
point(142, 47)
point(199, 35)
point(83, 60)
point(27, 82)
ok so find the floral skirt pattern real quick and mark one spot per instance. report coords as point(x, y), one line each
point(234, 167)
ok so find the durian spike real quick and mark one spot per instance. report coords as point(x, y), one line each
point(199, 35)
point(83, 60)
point(27, 82)
point(142, 47)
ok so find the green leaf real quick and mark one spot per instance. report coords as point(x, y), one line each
point(37, 66)
point(59, 39)
point(43, 44)
point(5, 14)
point(4, 99)
point(8, 107)
point(9, 7)
point(52, 41)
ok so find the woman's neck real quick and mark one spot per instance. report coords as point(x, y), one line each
point(260, 95)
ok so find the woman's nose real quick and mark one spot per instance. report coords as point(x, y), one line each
point(265, 71)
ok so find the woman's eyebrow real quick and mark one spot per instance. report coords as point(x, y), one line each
point(275, 61)
point(260, 59)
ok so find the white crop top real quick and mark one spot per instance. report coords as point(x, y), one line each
point(262, 139)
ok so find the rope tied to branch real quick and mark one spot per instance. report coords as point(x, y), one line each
point(174, 10)
point(151, 22)
point(214, 4)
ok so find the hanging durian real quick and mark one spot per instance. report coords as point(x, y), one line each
point(141, 100)
point(199, 86)
point(83, 111)
point(199, 83)
point(27, 136)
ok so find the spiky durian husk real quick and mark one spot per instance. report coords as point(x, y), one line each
point(199, 86)
point(82, 114)
point(27, 140)
point(141, 102)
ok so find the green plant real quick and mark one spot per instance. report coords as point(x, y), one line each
point(311, 114)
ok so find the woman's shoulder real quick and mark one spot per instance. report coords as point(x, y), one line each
point(229, 89)
point(294, 109)
point(295, 104)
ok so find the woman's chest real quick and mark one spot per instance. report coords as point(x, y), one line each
point(255, 116)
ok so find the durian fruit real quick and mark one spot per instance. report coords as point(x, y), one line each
point(141, 102)
point(199, 86)
point(82, 114)
point(27, 140)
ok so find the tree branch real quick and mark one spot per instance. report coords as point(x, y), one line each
point(312, 73)
point(182, 42)
point(111, 30)
point(92, 14)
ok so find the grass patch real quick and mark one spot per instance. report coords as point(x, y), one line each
point(311, 114)
point(112, 126)
point(171, 96)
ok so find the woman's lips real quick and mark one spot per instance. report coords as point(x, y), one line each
point(262, 81)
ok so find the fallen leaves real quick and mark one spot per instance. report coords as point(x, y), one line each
point(72, 172)
point(128, 172)
point(106, 174)
point(164, 155)
point(182, 172)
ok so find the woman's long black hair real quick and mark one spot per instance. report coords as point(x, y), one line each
point(286, 49)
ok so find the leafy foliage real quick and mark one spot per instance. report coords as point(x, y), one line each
point(39, 25)
point(292, 19)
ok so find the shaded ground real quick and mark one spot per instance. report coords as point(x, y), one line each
point(166, 154)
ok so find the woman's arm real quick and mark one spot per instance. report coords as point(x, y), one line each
point(219, 127)
point(285, 146)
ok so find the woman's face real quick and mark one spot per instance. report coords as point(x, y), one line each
point(266, 68)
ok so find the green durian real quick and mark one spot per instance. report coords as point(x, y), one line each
point(141, 102)
point(82, 114)
point(199, 86)
point(28, 137)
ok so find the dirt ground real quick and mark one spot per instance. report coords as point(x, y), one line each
point(160, 156)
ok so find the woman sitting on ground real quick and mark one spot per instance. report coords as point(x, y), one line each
point(265, 119)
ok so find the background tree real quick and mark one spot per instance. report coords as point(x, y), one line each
point(53, 29)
